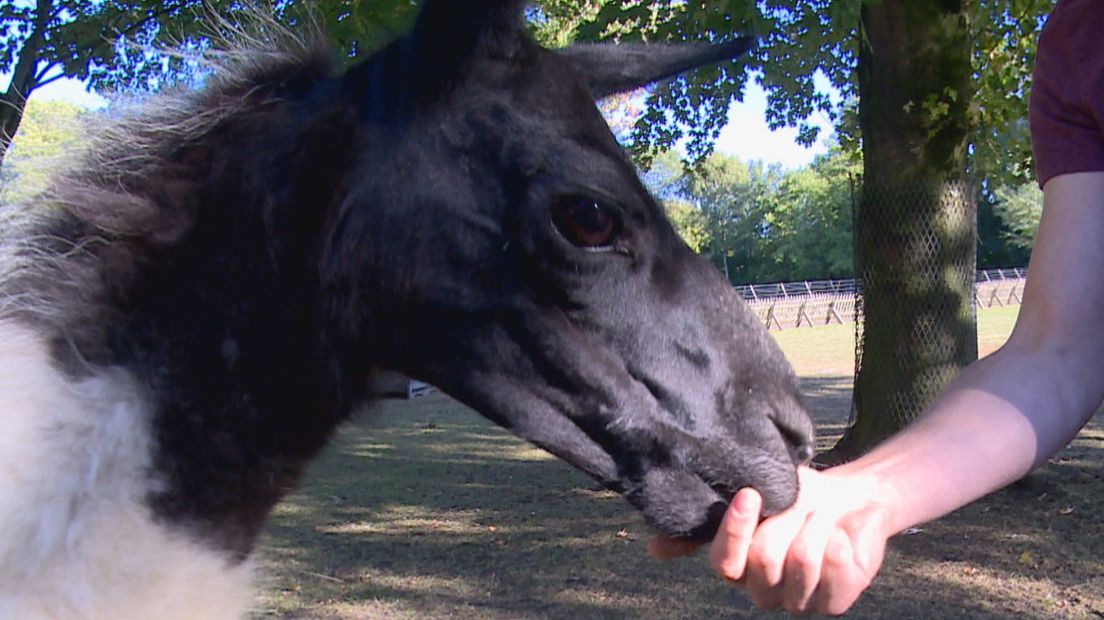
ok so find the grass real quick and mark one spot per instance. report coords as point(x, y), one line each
point(423, 510)
point(830, 350)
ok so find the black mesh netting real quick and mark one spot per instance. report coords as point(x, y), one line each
point(914, 263)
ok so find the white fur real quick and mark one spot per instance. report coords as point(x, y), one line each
point(76, 539)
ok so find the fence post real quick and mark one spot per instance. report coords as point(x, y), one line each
point(994, 298)
point(772, 319)
point(802, 315)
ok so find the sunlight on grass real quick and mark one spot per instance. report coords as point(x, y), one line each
point(829, 350)
point(994, 327)
point(392, 517)
point(479, 450)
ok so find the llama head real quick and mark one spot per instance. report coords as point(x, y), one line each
point(496, 241)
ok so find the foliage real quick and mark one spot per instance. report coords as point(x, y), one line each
point(1019, 209)
point(816, 239)
point(51, 131)
point(799, 39)
point(120, 44)
point(51, 39)
point(761, 223)
point(1005, 33)
point(357, 27)
point(665, 176)
point(114, 44)
point(690, 223)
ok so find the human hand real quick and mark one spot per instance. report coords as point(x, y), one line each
point(818, 556)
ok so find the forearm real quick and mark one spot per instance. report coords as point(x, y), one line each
point(1011, 411)
point(1000, 418)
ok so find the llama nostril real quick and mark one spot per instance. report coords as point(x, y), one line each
point(799, 438)
point(803, 453)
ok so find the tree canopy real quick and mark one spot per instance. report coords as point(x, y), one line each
point(51, 131)
point(113, 44)
point(761, 223)
point(121, 44)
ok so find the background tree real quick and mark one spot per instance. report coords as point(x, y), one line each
point(816, 218)
point(47, 40)
point(690, 223)
point(51, 131)
point(736, 199)
point(1019, 209)
point(762, 223)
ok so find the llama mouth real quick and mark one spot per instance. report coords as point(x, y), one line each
point(679, 504)
point(682, 503)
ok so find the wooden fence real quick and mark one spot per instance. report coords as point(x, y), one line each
point(810, 304)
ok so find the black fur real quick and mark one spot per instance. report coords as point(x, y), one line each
point(255, 268)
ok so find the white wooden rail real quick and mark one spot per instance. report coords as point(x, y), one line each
point(827, 302)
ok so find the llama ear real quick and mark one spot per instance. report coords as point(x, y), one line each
point(609, 69)
point(445, 35)
point(460, 24)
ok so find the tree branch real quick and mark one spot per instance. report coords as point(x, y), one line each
point(49, 80)
point(40, 75)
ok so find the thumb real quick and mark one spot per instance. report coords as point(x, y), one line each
point(729, 551)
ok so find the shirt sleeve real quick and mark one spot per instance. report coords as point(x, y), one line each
point(1067, 99)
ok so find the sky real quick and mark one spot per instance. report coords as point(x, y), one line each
point(746, 135)
point(69, 90)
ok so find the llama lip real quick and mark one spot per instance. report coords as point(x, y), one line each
point(696, 512)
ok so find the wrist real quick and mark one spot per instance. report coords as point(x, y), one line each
point(860, 490)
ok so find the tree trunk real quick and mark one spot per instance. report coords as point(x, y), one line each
point(916, 219)
point(24, 77)
point(11, 116)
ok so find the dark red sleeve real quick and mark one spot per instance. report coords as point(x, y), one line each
point(1067, 98)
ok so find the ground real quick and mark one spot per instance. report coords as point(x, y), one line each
point(423, 510)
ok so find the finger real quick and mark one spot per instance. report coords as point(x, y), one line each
point(802, 570)
point(729, 550)
point(843, 578)
point(772, 541)
point(664, 548)
point(767, 555)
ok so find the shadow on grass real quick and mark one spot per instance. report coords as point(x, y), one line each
point(1047, 526)
point(424, 510)
point(829, 402)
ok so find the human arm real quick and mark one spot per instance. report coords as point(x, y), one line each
point(1002, 416)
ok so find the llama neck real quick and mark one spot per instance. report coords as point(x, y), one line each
point(243, 385)
point(226, 328)
point(199, 278)
point(80, 540)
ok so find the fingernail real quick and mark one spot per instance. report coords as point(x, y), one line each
point(744, 503)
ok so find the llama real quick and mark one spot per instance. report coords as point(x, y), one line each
point(192, 310)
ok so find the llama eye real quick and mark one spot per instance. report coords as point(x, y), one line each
point(585, 222)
